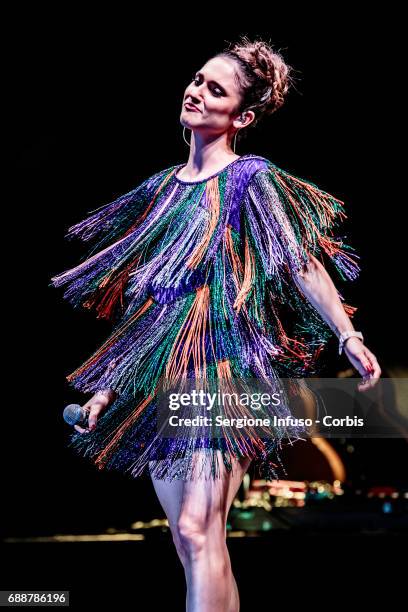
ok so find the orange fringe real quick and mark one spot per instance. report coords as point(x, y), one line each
point(248, 277)
point(238, 270)
point(120, 430)
point(146, 212)
point(323, 206)
point(226, 386)
point(102, 350)
point(213, 196)
point(350, 310)
point(113, 293)
point(235, 260)
point(224, 369)
point(191, 339)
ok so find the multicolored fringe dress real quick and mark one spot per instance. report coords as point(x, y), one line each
point(199, 279)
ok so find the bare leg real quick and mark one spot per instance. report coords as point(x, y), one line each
point(197, 512)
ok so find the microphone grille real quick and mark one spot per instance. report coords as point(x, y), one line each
point(73, 414)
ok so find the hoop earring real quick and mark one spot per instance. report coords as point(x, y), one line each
point(185, 140)
point(235, 140)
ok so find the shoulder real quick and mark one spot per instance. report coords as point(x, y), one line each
point(250, 164)
point(158, 178)
point(292, 190)
point(287, 181)
point(256, 172)
point(242, 172)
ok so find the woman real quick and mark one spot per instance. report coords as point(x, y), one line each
point(198, 266)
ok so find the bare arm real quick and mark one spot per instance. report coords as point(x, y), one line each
point(318, 287)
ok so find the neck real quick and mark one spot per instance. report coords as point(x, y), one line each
point(208, 156)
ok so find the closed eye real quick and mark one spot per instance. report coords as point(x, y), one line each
point(215, 89)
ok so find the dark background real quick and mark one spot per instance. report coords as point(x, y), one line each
point(96, 105)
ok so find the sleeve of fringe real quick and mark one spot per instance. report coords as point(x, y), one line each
point(109, 222)
point(117, 232)
point(290, 218)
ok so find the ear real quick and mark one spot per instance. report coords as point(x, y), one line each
point(244, 119)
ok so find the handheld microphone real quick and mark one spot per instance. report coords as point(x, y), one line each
point(74, 414)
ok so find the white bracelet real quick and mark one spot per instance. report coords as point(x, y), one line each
point(348, 334)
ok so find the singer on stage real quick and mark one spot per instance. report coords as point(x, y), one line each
point(198, 268)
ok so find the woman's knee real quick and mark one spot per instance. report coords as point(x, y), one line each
point(191, 533)
point(179, 545)
point(197, 535)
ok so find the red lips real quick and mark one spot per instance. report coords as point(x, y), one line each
point(192, 107)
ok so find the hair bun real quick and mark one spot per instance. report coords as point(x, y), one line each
point(272, 72)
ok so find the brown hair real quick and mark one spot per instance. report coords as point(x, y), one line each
point(263, 77)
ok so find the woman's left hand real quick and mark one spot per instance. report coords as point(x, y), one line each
point(364, 361)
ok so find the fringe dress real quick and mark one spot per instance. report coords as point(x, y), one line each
point(199, 280)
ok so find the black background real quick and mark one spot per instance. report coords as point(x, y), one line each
point(95, 109)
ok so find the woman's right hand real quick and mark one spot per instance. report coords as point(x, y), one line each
point(97, 404)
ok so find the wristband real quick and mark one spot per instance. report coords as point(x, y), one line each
point(348, 334)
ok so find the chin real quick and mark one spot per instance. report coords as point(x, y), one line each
point(184, 122)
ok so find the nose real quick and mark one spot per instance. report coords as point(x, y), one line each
point(192, 93)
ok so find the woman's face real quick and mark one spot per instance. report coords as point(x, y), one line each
point(214, 92)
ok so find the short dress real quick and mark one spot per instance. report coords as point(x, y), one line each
point(199, 281)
